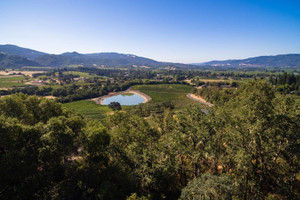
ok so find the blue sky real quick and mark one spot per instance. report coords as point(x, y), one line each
point(166, 30)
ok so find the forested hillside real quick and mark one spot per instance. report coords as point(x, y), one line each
point(246, 148)
point(19, 51)
point(278, 61)
point(97, 59)
point(115, 60)
point(14, 62)
point(107, 59)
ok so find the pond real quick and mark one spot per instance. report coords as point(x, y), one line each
point(126, 99)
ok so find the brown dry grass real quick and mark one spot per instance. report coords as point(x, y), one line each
point(27, 73)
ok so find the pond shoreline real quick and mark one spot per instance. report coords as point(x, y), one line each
point(99, 100)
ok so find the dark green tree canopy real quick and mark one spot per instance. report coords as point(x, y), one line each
point(246, 147)
point(115, 105)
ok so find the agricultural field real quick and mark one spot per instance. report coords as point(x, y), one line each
point(213, 80)
point(229, 80)
point(174, 93)
point(12, 81)
point(33, 68)
point(81, 74)
point(88, 109)
point(21, 72)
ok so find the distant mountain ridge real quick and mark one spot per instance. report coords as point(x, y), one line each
point(88, 60)
point(20, 51)
point(278, 61)
point(15, 62)
point(16, 57)
point(96, 59)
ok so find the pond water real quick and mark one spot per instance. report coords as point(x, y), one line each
point(126, 99)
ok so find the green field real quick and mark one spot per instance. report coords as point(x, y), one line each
point(81, 74)
point(37, 68)
point(88, 109)
point(159, 93)
point(57, 86)
point(168, 92)
point(208, 79)
point(11, 81)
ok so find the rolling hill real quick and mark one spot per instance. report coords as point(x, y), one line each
point(15, 62)
point(96, 59)
point(19, 51)
point(105, 60)
point(278, 61)
point(16, 57)
point(87, 60)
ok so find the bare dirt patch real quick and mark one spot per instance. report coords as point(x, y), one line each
point(199, 99)
point(212, 80)
point(188, 81)
point(5, 88)
point(27, 73)
point(49, 97)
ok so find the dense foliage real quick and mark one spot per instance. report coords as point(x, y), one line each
point(247, 148)
point(49, 153)
point(115, 105)
point(287, 83)
point(216, 95)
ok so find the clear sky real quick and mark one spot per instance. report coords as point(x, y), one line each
point(166, 30)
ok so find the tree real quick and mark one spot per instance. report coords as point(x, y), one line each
point(194, 141)
point(134, 196)
point(36, 144)
point(137, 148)
point(115, 105)
point(54, 154)
point(209, 187)
point(258, 133)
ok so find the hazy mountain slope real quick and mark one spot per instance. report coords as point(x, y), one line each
point(74, 58)
point(279, 61)
point(129, 60)
point(20, 51)
point(98, 59)
point(15, 62)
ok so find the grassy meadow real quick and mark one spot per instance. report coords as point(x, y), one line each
point(174, 93)
point(81, 74)
point(88, 109)
point(159, 93)
point(11, 81)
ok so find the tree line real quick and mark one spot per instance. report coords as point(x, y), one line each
point(287, 83)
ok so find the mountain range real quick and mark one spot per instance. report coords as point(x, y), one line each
point(36, 58)
point(20, 51)
point(96, 59)
point(278, 61)
point(12, 56)
point(14, 61)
